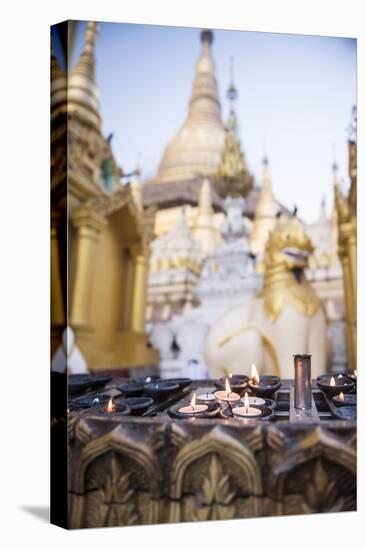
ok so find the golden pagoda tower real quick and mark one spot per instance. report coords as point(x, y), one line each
point(264, 218)
point(196, 149)
point(98, 233)
point(346, 206)
point(193, 154)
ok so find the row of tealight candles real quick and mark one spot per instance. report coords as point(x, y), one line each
point(227, 397)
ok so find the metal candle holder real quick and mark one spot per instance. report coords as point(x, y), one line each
point(302, 364)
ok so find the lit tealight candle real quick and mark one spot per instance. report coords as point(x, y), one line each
point(227, 396)
point(192, 408)
point(111, 407)
point(246, 411)
point(254, 376)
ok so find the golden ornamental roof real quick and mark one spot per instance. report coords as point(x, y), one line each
point(176, 249)
point(197, 147)
point(232, 177)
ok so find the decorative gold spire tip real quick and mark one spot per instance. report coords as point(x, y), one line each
point(207, 36)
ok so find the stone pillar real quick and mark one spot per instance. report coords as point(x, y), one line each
point(352, 251)
point(88, 227)
point(57, 298)
point(139, 288)
point(350, 308)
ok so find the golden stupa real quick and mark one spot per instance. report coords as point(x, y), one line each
point(196, 149)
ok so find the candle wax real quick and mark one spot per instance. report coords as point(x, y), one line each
point(222, 395)
point(246, 411)
point(193, 410)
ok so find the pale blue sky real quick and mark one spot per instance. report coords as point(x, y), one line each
point(295, 98)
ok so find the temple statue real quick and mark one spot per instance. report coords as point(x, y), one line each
point(99, 232)
point(285, 317)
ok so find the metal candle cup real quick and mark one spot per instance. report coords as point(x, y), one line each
point(206, 397)
point(227, 396)
point(302, 364)
point(246, 411)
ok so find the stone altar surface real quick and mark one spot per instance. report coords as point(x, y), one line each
point(147, 470)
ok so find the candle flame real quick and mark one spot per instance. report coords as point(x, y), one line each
point(332, 381)
point(246, 401)
point(355, 373)
point(230, 375)
point(341, 396)
point(227, 387)
point(111, 407)
point(254, 374)
point(193, 401)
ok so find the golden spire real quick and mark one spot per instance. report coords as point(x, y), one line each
point(83, 93)
point(265, 214)
point(136, 189)
point(232, 177)
point(204, 229)
point(197, 147)
point(267, 206)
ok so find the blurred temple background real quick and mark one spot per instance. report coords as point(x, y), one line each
point(143, 267)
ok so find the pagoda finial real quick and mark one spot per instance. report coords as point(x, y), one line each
point(91, 34)
point(232, 92)
point(206, 36)
point(83, 93)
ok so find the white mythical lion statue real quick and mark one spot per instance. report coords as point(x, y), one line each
point(286, 317)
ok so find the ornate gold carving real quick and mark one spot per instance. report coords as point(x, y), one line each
point(79, 429)
point(217, 495)
point(90, 466)
point(113, 504)
point(321, 493)
point(232, 177)
point(187, 469)
point(303, 484)
point(275, 438)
